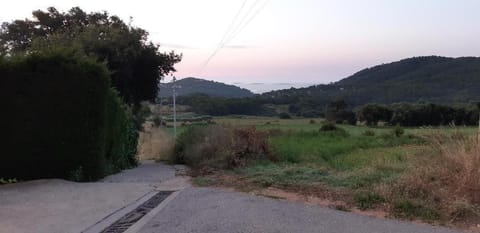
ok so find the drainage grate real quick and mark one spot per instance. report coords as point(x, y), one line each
point(129, 219)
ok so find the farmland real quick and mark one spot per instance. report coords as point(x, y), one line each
point(352, 168)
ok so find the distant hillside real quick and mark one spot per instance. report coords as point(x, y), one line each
point(433, 79)
point(194, 86)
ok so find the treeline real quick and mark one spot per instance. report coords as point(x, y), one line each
point(420, 114)
point(70, 90)
point(219, 106)
point(405, 114)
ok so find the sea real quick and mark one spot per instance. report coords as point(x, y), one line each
point(259, 88)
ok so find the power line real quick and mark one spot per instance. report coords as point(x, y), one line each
point(237, 29)
point(227, 33)
point(245, 16)
point(248, 21)
point(232, 24)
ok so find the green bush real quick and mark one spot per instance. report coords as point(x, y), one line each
point(62, 119)
point(398, 131)
point(368, 133)
point(328, 126)
point(284, 115)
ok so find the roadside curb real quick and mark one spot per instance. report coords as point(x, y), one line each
point(136, 227)
point(111, 218)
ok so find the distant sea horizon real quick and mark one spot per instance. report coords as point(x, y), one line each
point(259, 88)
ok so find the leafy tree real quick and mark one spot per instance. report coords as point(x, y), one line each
point(373, 113)
point(338, 112)
point(136, 65)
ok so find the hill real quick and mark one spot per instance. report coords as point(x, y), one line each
point(431, 79)
point(189, 86)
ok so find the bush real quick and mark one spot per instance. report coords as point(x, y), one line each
point(62, 119)
point(398, 131)
point(157, 121)
point(368, 133)
point(328, 126)
point(284, 115)
point(312, 121)
point(220, 147)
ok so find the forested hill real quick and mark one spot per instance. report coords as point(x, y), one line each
point(190, 86)
point(432, 79)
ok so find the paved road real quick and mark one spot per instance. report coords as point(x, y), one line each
point(52, 206)
point(202, 210)
point(59, 206)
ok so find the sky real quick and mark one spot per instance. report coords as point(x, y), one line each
point(289, 41)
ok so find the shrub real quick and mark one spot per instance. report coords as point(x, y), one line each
point(62, 119)
point(398, 131)
point(220, 147)
point(157, 121)
point(284, 115)
point(368, 133)
point(328, 126)
point(312, 121)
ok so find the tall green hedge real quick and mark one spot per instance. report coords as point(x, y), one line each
point(60, 118)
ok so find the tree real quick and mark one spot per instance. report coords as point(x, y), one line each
point(136, 65)
point(337, 111)
point(373, 113)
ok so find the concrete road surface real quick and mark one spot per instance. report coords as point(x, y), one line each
point(58, 206)
point(205, 210)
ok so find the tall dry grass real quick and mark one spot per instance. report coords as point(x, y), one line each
point(154, 144)
point(448, 179)
point(221, 147)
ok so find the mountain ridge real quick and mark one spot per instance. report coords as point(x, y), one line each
point(191, 85)
point(430, 78)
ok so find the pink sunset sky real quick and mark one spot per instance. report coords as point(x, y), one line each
point(311, 41)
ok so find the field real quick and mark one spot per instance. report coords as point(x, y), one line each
point(353, 168)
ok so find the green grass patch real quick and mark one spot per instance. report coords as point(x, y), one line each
point(409, 210)
point(368, 200)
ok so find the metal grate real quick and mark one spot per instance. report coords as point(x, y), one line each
point(132, 217)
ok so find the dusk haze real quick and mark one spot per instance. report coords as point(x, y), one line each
point(305, 41)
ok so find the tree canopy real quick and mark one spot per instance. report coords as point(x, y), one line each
point(135, 63)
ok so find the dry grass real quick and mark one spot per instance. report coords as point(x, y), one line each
point(448, 180)
point(154, 144)
point(221, 147)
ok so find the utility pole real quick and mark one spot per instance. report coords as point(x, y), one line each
point(478, 132)
point(174, 87)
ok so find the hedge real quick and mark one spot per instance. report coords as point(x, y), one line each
point(61, 119)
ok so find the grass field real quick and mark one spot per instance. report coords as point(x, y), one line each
point(354, 164)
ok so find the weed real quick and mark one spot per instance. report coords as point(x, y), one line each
point(408, 209)
point(76, 175)
point(8, 181)
point(203, 181)
point(369, 133)
point(368, 200)
point(342, 208)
